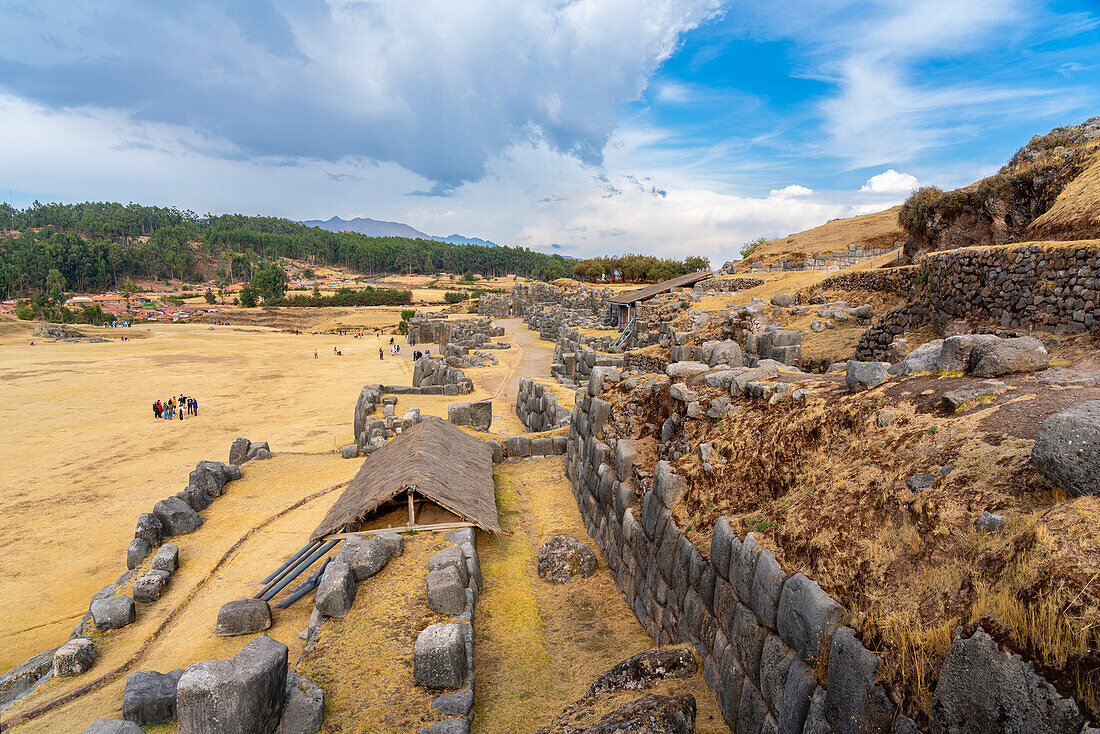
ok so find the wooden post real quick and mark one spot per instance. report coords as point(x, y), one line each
point(412, 509)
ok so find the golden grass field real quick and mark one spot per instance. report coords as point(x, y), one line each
point(83, 455)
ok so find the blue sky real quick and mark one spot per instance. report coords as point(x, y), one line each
point(665, 126)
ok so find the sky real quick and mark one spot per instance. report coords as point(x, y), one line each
point(585, 127)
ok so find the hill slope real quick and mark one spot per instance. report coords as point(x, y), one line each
point(870, 230)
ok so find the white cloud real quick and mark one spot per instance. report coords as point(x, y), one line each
point(788, 192)
point(890, 182)
point(437, 86)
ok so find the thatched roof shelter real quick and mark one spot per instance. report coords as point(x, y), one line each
point(432, 461)
point(649, 291)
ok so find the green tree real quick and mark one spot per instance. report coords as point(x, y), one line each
point(749, 247)
point(210, 296)
point(248, 296)
point(270, 282)
point(696, 264)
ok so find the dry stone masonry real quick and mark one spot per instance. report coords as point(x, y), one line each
point(538, 408)
point(1047, 288)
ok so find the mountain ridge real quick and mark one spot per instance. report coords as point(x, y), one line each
point(381, 228)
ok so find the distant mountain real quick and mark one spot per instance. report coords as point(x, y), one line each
point(378, 228)
point(369, 227)
point(457, 239)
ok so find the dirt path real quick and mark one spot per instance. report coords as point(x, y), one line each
point(537, 646)
point(534, 359)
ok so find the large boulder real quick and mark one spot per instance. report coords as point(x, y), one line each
point(22, 677)
point(238, 451)
point(243, 617)
point(242, 695)
point(209, 476)
point(74, 657)
point(167, 558)
point(439, 657)
point(197, 499)
point(684, 370)
point(1067, 449)
point(150, 529)
point(304, 709)
point(921, 359)
point(727, 352)
point(645, 670)
point(1008, 356)
point(955, 353)
point(148, 587)
point(983, 689)
point(450, 557)
point(177, 516)
point(446, 592)
point(864, 375)
point(113, 612)
point(150, 697)
point(366, 557)
point(562, 557)
point(481, 414)
point(650, 714)
point(336, 592)
point(807, 616)
point(137, 552)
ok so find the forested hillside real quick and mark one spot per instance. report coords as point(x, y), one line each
point(95, 246)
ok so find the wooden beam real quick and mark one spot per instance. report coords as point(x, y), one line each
point(406, 529)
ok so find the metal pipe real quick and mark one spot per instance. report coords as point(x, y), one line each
point(310, 584)
point(299, 569)
point(289, 569)
point(293, 558)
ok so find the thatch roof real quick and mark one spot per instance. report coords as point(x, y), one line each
point(439, 461)
point(644, 294)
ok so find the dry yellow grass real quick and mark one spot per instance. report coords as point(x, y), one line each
point(83, 455)
point(875, 230)
point(537, 646)
point(205, 581)
point(364, 663)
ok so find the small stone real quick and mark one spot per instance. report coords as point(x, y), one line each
point(988, 522)
point(138, 551)
point(919, 482)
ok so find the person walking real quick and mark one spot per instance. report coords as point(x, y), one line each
point(380, 353)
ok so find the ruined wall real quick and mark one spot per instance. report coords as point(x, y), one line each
point(901, 280)
point(538, 408)
point(1055, 289)
point(758, 632)
point(774, 651)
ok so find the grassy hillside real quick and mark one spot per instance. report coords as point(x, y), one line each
point(873, 230)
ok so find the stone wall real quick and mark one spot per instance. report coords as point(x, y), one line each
point(726, 285)
point(1054, 289)
point(836, 260)
point(538, 408)
point(758, 632)
point(762, 633)
point(901, 280)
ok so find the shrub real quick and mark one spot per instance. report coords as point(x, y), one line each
point(24, 311)
point(454, 296)
point(407, 313)
point(748, 248)
point(913, 217)
point(209, 296)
